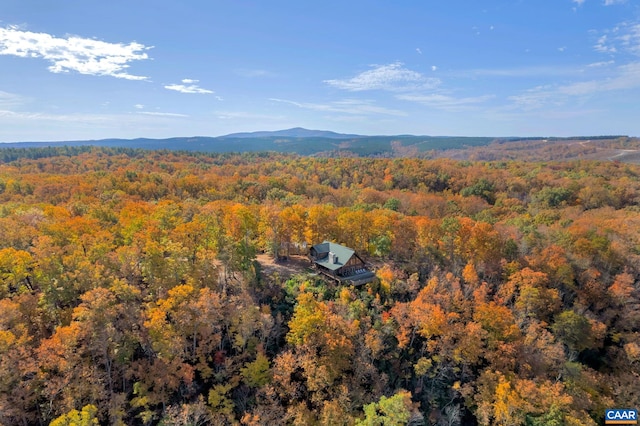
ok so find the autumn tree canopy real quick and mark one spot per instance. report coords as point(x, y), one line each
point(130, 292)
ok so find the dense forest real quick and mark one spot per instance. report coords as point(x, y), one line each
point(130, 292)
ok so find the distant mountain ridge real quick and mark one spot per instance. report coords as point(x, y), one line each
point(296, 132)
point(325, 143)
point(294, 141)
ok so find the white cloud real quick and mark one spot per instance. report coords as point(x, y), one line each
point(434, 68)
point(418, 50)
point(625, 37)
point(188, 86)
point(612, 2)
point(625, 78)
point(44, 126)
point(242, 115)
point(356, 106)
point(82, 55)
point(537, 97)
point(251, 73)
point(10, 99)
point(391, 77)
point(628, 77)
point(65, 118)
point(162, 114)
point(445, 102)
point(630, 39)
point(579, 2)
point(603, 45)
point(534, 71)
point(139, 106)
point(346, 106)
point(601, 64)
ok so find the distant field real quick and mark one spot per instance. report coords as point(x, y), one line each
point(623, 149)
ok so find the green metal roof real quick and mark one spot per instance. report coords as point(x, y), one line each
point(362, 278)
point(343, 253)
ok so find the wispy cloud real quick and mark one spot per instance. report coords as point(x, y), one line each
point(601, 64)
point(254, 73)
point(444, 102)
point(604, 46)
point(83, 119)
point(82, 55)
point(66, 118)
point(628, 77)
point(536, 97)
point(188, 86)
point(624, 37)
point(392, 77)
point(162, 114)
point(630, 38)
point(243, 115)
point(8, 100)
point(346, 106)
point(532, 71)
point(46, 126)
point(612, 2)
point(578, 2)
point(625, 77)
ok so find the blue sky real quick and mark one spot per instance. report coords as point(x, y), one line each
point(78, 69)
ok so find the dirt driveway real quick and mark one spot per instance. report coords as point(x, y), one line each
point(285, 268)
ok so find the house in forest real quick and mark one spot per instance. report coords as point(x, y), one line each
point(340, 263)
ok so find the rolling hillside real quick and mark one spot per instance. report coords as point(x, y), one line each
point(297, 140)
point(330, 144)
